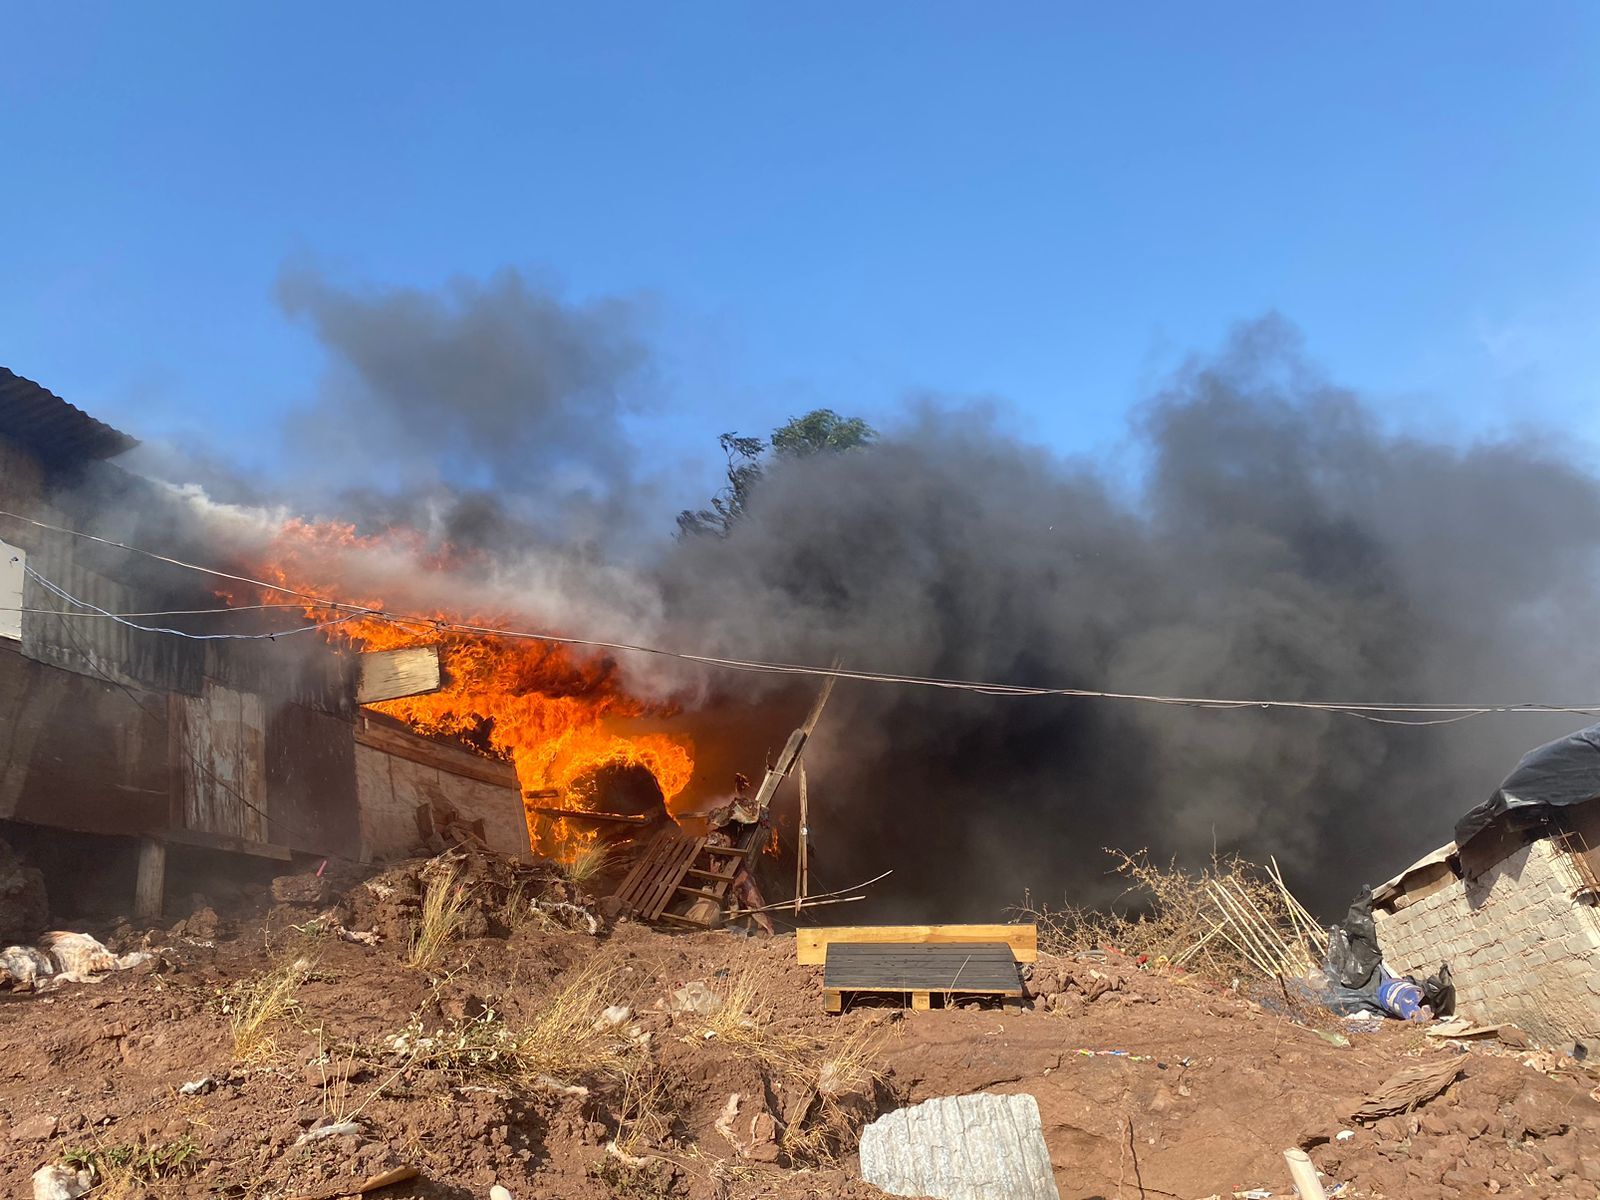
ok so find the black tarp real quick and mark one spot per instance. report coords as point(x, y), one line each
point(1565, 771)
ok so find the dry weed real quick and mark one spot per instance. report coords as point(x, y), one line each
point(128, 1169)
point(1172, 917)
point(256, 1006)
point(564, 1041)
point(836, 1075)
point(588, 863)
point(443, 902)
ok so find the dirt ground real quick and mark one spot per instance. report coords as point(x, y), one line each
point(547, 1059)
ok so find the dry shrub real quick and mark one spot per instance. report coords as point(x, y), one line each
point(837, 1075)
point(256, 1006)
point(564, 1041)
point(587, 863)
point(1176, 917)
point(443, 902)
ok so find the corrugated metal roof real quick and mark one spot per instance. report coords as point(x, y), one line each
point(58, 432)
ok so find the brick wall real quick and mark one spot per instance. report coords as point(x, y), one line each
point(1522, 949)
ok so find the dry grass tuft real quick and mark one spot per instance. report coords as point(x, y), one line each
point(588, 863)
point(1229, 920)
point(565, 1040)
point(256, 1006)
point(835, 1076)
point(443, 903)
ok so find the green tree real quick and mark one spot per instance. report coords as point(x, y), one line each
point(820, 431)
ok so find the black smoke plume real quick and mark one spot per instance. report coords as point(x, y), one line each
point(1278, 543)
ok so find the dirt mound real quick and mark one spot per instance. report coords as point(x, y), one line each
point(293, 1051)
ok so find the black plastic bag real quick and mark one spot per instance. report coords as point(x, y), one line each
point(1353, 954)
point(1439, 992)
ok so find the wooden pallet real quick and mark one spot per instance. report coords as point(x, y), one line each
point(921, 971)
point(673, 866)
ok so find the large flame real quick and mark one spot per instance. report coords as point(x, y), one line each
point(550, 711)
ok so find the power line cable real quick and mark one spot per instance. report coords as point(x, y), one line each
point(1385, 712)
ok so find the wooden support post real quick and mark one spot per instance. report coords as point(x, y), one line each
point(835, 1000)
point(921, 1001)
point(802, 877)
point(150, 888)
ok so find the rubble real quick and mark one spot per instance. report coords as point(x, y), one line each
point(61, 1183)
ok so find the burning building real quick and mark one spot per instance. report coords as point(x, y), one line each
point(139, 724)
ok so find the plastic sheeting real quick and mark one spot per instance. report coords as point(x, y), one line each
point(1565, 771)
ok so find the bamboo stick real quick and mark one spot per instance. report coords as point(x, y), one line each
point(1296, 954)
point(1233, 915)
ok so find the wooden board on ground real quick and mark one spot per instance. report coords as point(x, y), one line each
point(811, 945)
point(920, 971)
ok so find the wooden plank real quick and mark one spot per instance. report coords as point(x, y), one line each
point(712, 875)
point(833, 1000)
point(811, 945)
point(394, 674)
point(921, 1002)
point(585, 814)
point(402, 743)
point(149, 890)
point(222, 841)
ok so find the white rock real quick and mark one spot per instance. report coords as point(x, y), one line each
point(979, 1147)
point(499, 1193)
point(58, 1183)
point(694, 997)
point(611, 1017)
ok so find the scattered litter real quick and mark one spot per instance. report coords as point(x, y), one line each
point(1408, 1089)
point(1131, 1057)
point(961, 1148)
point(198, 1087)
point(1333, 1039)
point(631, 1160)
point(327, 1131)
point(575, 914)
point(370, 1184)
point(1253, 1194)
point(548, 1084)
point(499, 1193)
point(62, 958)
point(612, 1017)
point(59, 1183)
point(1344, 1135)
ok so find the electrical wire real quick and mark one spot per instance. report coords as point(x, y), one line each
point(63, 594)
point(1386, 712)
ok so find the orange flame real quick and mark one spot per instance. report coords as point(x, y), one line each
point(547, 709)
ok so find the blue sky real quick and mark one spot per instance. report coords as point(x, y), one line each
point(820, 204)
